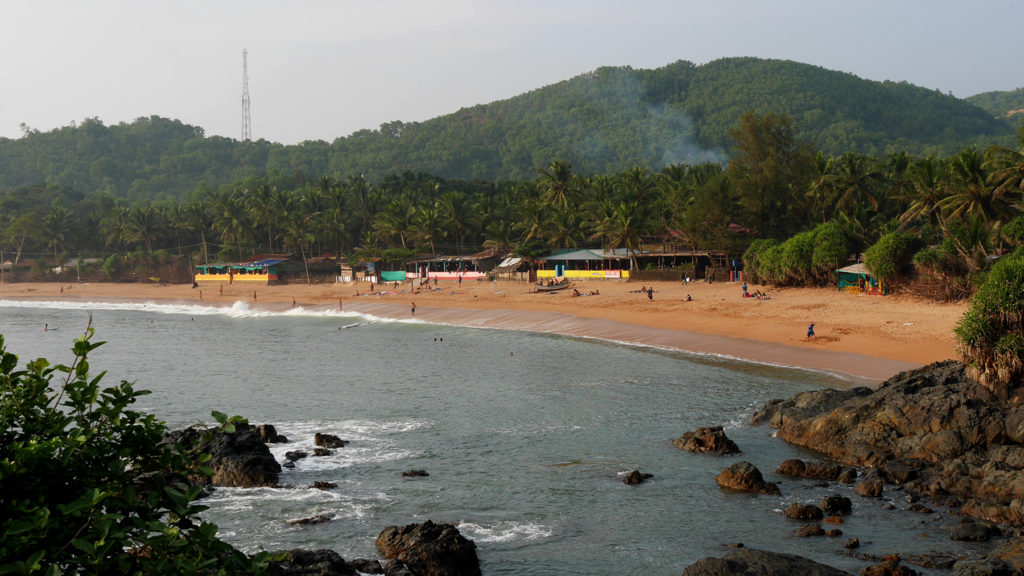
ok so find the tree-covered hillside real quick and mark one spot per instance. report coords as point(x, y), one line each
point(1004, 104)
point(601, 122)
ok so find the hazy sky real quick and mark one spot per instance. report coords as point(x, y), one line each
point(322, 69)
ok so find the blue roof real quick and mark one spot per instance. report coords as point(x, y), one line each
point(266, 263)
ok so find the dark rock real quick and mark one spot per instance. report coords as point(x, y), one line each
point(269, 434)
point(835, 504)
point(812, 470)
point(367, 566)
point(322, 452)
point(1012, 553)
point(414, 473)
point(288, 464)
point(635, 477)
point(933, 431)
point(239, 459)
point(847, 476)
point(810, 530)
point(972, 532)
point(312, 563)
point(328, 441)
point(982, 567)
point(430, 549)
point(711, 439)
point(294, 455)
point(318, 519)
point(798, 511)
point(396, 568)
point(745, 477)
point(805, 405)
point(747, 562)
point(852, 543)
point(834, 533)
point(900, 471)
point(920, 508)
point(833, 520)
point(324, 485)
point(871, 486)
point(889, 566)
point(934, 560)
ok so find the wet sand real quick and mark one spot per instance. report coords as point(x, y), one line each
point(867, 338)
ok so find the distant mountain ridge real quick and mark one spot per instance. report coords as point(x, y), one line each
point(604, 121)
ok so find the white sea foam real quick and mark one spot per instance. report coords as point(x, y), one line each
point(239, 309)
point(506, 531)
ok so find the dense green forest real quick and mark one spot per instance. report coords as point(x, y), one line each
point(940, 218)
point(602, 122)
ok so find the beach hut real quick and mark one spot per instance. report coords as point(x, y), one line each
point(857, 279)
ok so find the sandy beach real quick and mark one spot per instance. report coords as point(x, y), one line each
point(867, 338)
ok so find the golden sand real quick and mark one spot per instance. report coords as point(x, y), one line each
point(867, 337)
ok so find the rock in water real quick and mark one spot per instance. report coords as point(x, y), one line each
point(711, 439)
point(299, 562)
point(430, 549)
point(747, 562)
point(745, 477)
point(239, 459)
point(635, 477)
point(328, 441)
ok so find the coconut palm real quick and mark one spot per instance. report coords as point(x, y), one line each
point(555, 184)
point(927, 190)
point(1006, 172)
point(971, 195)
point(821, 192)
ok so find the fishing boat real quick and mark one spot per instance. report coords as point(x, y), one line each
point(563, 283)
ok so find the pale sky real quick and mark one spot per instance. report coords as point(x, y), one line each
point(322, 69)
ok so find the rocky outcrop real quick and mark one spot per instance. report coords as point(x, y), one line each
point(430, 549)
point(931, 430)
point(747, 562)
point(328, 441)
point(889, 566)
point(798, 511)
point(318, 519)
point(816, 470)
point(312, 563)
point(636, 477)
point(745, 477)
point(414, 473)
point(711, 439)
point(238, 459)
point(269, 434)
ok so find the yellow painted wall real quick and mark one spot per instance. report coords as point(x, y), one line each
point(248, 278)
point(586, 274)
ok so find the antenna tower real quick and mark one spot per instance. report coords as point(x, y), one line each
point(246, 118)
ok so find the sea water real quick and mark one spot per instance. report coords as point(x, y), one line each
point(525, 437)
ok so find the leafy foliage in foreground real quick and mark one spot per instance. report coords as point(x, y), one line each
point(89, 486)
point(991, 334)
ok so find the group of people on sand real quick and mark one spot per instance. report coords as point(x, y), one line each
point(576, 292)
point(757, 294)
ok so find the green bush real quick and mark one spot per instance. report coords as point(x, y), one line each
point(1014, 231)
point(797, 254)
point(753, 259)
point(89, 486)
point(890, 257)
point(831, 249)
point(990, 336)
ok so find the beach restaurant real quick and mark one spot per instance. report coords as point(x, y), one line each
point(260, 270)
point(585, 264)
point(857, 279)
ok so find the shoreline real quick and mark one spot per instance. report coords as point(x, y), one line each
point(861, 338)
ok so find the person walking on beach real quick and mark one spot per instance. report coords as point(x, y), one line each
point(810, 330)
point(413, 308)
point(650, 293)
point(339, 303)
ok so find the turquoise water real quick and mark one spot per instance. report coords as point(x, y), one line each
point(525, 436)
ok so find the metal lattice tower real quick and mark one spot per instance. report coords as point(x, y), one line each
point(246, 118)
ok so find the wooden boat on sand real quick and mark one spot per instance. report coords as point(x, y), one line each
point(561, 284)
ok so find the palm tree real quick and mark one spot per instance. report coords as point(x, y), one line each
point(56, 226)
point(198, 219)
point(554, 184)
point(1006, 171)
point(857, 181)
point(295, 234)
point(427, 224)
point(622, 228)
point(823, 188)
point(230, 220)
point(971, 195)
point(926, 192)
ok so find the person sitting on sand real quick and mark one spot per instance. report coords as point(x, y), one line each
point(595, 292)
point(688, 298)
point(810, 330)
point(575, 292)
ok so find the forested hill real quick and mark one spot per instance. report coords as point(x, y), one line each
point(1004, 104)
point(604, 121)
